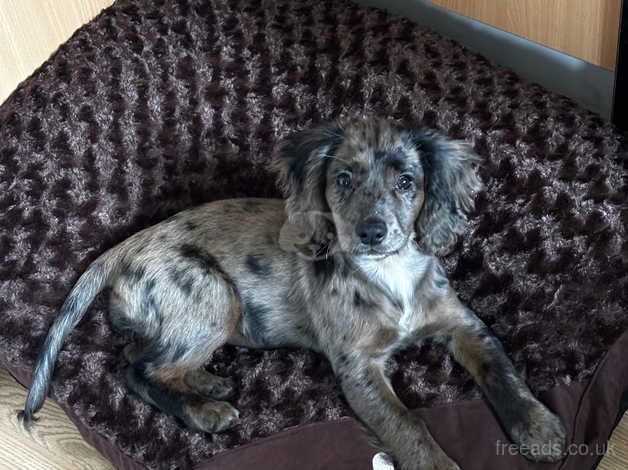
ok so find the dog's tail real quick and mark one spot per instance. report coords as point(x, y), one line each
point(94, 280)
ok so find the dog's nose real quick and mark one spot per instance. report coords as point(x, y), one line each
point(371, 230)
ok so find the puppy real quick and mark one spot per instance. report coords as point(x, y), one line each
point(346, 266)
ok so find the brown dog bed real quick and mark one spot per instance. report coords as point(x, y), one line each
point(156, 106)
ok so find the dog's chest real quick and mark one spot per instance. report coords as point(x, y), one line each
point(398, 276)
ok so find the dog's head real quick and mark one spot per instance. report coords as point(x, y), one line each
point(368, 187)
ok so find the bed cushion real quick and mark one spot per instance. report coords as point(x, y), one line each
point(155, 106)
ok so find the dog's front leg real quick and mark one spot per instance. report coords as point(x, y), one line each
point(538, 432)
point(406, 437)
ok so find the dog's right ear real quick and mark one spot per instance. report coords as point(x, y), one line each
point(301, 165)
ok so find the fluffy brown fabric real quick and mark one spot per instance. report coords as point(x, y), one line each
point(156, 106)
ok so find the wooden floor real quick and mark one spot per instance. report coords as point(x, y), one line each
point(30, 30)
point(57, 445)
point(617, 457)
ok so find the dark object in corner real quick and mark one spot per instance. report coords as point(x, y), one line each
point(620, 97)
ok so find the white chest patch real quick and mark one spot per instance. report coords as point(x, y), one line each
point(398, 275)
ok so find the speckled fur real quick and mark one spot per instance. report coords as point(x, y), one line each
point(222, 274)
point(156, 106)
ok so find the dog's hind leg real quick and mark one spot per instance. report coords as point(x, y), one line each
point(173, 379)
point(178, 326)
point(167, 388)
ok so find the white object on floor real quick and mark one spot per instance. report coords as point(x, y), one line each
point(382, 461)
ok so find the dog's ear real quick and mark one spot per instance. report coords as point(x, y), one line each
point(451, 182)
point(301, 164)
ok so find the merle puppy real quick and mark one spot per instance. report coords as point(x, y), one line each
point(345, 266)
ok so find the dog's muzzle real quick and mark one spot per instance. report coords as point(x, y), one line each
point(372, 231)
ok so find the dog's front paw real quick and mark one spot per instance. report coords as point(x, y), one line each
point(540, 436)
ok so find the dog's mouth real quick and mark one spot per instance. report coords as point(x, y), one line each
point(378, 253)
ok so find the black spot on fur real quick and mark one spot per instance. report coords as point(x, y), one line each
point(393, 159)
point(175, 274)
point(186, 285)
point(126, 327)
point(160, 396)
point(206, 262)
point(135, 275)
point(158, 353)
point(189, 226)
point(149, 286)
point(255, 317)
point(148, 303)
point(324, 268)
point(359, 301)
point(200, 257)
point(257, 265)
point(342, 360)
point(182, 279)
point(203, 260)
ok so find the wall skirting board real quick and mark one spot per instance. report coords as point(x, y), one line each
point(589, 85)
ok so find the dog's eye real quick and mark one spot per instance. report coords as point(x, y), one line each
point(404, 182)
point(344, 179)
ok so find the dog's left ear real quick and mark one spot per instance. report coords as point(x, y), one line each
point(301, 165)
point(451, 182)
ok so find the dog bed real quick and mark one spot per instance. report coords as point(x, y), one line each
point(155, 106)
